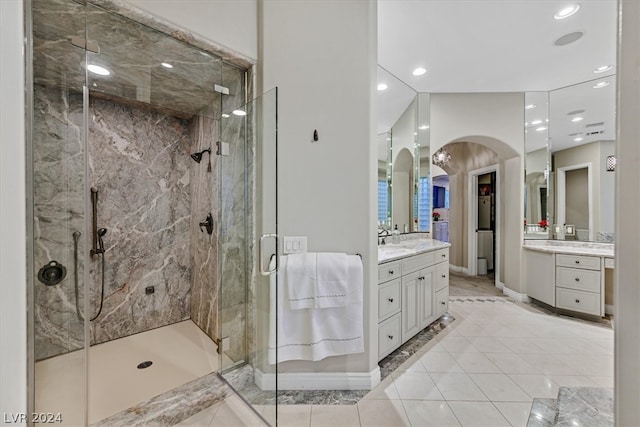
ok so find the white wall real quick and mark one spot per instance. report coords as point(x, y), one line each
point(13, 289)
point(322, 58)
point(627, 268)
point(229, 23)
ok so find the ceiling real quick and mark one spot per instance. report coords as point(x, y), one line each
point(494, 46)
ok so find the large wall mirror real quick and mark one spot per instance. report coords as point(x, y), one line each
point(404, 187)
point(576, 169)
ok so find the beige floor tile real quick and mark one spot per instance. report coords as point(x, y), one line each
point(489, 344)
point(412, 364)
point(517, 413)
point(550, 364)
point(500, 388)
point(573, 381)
point(429, 414)
point(235, 412)
point(440, 362)
point(536, 385)
point(457, 344)
point(294, 415)
point(382, 413)
point(512, 363)
point(455, 386)
point(603, 381)
point(386, 390)
point(478, 414)
point(476, 363)
point(416, 386)
point(335, 415)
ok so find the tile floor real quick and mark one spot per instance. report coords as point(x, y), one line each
point(482, 370)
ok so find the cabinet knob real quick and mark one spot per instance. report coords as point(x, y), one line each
point(390, 337)
point(390, 299)
point(444, 276)
point(577, 279)
point(421, 278)
point(391, 272)
point(577, 261)
point(443, 255)
point(577, 301)
point(443, 303)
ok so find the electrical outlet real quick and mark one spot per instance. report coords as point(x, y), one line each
point(295, 244)
point(149, 290)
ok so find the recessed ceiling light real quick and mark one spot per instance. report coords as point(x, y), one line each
point(530, 107)
point(382, 86)
point(419, 71)
point(536, 122)
point(603, 69)
point(424, 127)
point(225, 115)
point(166, 65)
point(541, 128)
point(239, 112)
point(569, 38)
point(600, 85)
point(566, 12)
point(96, 69)
point(578, 139)
point(577, 119)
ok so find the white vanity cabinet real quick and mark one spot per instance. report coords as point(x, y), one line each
point(566, 281)
point(412, 292)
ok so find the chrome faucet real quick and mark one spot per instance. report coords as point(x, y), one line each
point(381, 235)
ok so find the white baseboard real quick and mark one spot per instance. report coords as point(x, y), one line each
point(318, 380)
point(457, 269)
point(500, 285)
point(608, 309)
point(515, 295)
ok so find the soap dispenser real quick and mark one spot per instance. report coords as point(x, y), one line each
point(395, 235)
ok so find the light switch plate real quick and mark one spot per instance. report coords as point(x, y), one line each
point(294, 244)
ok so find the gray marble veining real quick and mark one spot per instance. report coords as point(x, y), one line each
point(173, 406)
point(571, 248)
point(585, 406)
point(408, 247)
point(543, 412)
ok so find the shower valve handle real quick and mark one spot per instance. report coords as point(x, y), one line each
point(207, 224)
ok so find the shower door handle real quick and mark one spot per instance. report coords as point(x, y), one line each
point(263, 271)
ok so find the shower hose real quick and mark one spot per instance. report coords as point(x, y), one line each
point(76, 237)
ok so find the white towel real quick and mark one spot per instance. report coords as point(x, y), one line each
point(314, 334)
point(331, 280)
point(301, 286)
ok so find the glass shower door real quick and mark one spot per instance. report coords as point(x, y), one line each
point(57, 123)
point(248, 159)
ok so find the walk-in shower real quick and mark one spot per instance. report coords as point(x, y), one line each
point(127, 275)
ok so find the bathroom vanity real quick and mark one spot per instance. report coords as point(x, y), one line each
point(568, 275)
point(413, 289)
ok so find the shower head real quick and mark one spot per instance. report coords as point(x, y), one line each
point(198, 156)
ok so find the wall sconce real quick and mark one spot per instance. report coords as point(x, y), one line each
point(569, 230)
point(611, 163)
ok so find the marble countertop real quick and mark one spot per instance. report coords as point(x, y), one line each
point(571, 248)
point(409, 247)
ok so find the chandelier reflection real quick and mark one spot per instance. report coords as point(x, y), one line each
point(441, 157)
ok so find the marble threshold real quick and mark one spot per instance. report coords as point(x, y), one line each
point(575, 406)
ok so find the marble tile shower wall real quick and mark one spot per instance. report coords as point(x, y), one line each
point(139, 161)
point(58, 170)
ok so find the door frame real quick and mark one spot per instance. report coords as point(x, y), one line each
point(472, 223)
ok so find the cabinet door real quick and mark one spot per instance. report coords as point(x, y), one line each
point(541, 280)
point(411, 284)
point(428, 278)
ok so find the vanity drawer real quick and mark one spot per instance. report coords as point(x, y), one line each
point(575, 278)
point(578, 261)
point(388, 299)
point(584, 302)
point(389, 336)
point(388, 271)
point(415, 263)
point(442, 275)
point(442, 302)
point(442, 255)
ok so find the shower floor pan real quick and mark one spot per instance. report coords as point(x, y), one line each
point(180, 353)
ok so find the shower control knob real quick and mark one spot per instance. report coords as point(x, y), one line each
point(52, 273)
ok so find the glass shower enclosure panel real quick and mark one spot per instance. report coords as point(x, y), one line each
point(56, 145)
point(248, 152)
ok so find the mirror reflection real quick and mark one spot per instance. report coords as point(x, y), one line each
point(575, 170)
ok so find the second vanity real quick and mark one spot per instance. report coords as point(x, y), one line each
point(568, 275)
point(413, 289)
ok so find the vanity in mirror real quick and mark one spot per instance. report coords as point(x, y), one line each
point(570, 162)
